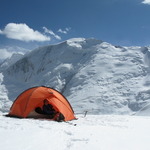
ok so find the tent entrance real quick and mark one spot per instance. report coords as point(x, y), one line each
point(35, 114)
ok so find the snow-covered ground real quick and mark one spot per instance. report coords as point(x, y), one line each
point(98, 132)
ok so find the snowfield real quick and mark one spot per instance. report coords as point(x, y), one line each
point(98, 132)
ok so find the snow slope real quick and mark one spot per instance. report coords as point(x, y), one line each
point(5, 103)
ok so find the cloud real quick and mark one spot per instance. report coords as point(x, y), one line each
point(7, 51)
point(61, 31)
point(146, 2)
point(23, 33)
point(65, 31)
point(4, 53)
point(68, 29)
point(52, 33)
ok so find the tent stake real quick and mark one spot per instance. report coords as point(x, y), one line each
point(85, 114)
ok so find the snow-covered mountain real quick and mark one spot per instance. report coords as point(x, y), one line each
point(94, 75)
point(9, 61)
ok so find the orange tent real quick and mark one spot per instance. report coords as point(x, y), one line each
point(25, 104)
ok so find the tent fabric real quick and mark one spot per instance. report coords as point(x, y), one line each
point(32, 98)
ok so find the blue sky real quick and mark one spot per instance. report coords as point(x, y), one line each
point(28, 24)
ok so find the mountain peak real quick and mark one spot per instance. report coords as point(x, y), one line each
point(9, 61)
point(82, 42)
